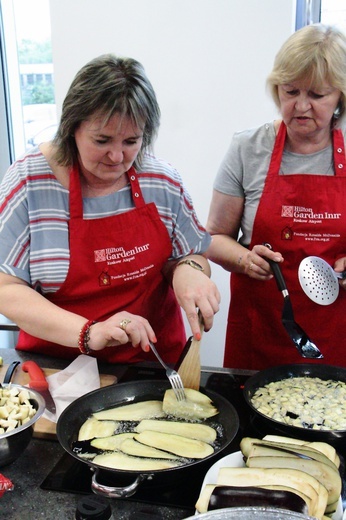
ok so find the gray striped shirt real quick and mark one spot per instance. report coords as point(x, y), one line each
point(34, 215)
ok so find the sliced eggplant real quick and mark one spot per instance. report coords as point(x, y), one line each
point(309, 501)
point(92, 428)
point(327, 476)
point(293, 478)
point(137, 449)
point(328, 450)
point(84, 449)
point(132, 412)
point(196, 406)
point(204, 498)
point(272, 449)
point(176, 444)
point(112, 443)
point(331, 508)
point(218, 497)
point(201, 432)
point(228, 496)
point(121, 461)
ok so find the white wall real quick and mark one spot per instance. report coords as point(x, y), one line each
point(208, 61)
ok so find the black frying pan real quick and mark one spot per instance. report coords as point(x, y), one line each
point(278, 373)
point(77, 412)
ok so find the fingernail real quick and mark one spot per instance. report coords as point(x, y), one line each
point(198, 336)
point(146, 348)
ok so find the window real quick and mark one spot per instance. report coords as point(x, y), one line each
point(331, 12)
point(334, 12)
point(29, 79)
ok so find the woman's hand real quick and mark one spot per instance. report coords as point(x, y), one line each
point(194, 290)
point(121, 328)
point(339, 267)
point(253, 262)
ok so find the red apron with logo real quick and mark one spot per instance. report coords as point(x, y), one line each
point(115, 265)
point(299, 215)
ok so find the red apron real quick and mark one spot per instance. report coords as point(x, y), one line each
point(115, 265)
point(299, 215)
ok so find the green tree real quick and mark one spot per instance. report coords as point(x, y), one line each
point(30, 51)
point(34, 52)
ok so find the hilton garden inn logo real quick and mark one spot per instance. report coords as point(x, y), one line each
point(301, 213)
point(118, 253)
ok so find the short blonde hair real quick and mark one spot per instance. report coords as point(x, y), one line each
point(316, 52)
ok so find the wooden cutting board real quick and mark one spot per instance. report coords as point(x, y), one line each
point(45, 429)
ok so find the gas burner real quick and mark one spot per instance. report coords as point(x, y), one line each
point(72, 476)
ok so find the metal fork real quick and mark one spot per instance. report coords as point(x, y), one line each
point(173, 376)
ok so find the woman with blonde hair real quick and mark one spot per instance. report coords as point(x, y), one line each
point(284, 183)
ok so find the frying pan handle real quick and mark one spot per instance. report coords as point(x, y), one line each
point(280, 281)
point(118, 492)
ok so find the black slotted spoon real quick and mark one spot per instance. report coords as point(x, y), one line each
point(301, 340)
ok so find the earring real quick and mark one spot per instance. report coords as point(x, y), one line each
point(337, 111)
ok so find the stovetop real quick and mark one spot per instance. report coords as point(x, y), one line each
point(71, 475)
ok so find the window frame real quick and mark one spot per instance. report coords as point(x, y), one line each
point(6, 144)
point(307, 12)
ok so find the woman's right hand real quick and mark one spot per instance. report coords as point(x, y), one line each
point(254, 262)
point(121, 328)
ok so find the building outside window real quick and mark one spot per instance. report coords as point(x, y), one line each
point(27, 57)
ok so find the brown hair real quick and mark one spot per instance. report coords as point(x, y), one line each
point(106, 86)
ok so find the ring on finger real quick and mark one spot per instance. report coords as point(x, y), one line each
point(251, 266)
point(123, 324)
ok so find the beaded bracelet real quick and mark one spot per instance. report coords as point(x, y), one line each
point(84, 337)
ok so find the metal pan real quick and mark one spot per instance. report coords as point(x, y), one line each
point(77, 412)
point(319, 281)
point(268, 425)
point(250, 513)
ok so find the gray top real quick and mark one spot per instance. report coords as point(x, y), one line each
point(244, 169)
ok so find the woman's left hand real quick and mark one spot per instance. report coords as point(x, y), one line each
point(195, 290)
point(339, 267)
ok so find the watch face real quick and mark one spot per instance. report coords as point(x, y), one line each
point(195, 265)
point(192, 263)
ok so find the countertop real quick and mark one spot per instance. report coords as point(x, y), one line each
point(28, 501)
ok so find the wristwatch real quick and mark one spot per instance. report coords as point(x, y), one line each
point(192, 263)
